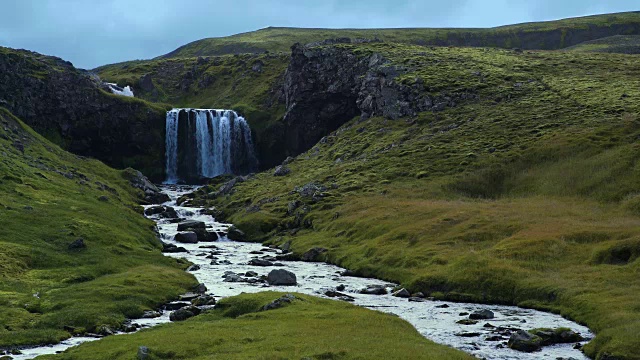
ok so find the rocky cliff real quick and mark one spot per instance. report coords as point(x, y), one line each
point(68, 106)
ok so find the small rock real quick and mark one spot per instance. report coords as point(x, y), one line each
point(374, 290)
point(203, 300)
point(417, 299)
point(186, 237)
point(77, 244)
point(251, 274)
point(402, 293)
point(443, 306)
point(184, 313)
point(281, 277)
point(314, 254)
point(468, 334)
point(467, 322)
point(151, 314)
point(236, 234)
point(176, 305)
point(278, 303)
point(171, 248)
point(143, 353)
point(103, 198)
point(281, 170)
point(260, 262)
point(482, 315)
point(340, 287)
point(200, 288)
point(190, 225)
point(194, 267)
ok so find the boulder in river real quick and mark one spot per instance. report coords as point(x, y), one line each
point(194, 267)
point(236, 234)
point(482, 315)
point(184, 313)
point(205, 236)
point(314, 254)
point(190, 225)
point(402, 293)
point(154, 210)
point(282, 277)
point(200, 288)
point(374, 290)
point(176, 305)
point(171, 248)
point(260, 262)
point(524, 341)
point(557, 336)
point(187, 237)
point(203, 300)
point(150, 314)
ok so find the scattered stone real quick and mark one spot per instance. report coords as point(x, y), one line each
point(260, 262)
point(194, 267)
point(186, 237)
point(340, 287)
point(468, 334)
point(443, 306)
point(205, 236)
point(467, 322)
point(176, 305)
point(494, 338)
point(103, 198)
point(557, 336)
point(190, 225)
point(524, 341)
point(482, 315)
point(184, 313)
point(314, 254)
point(281, 170)
point(204, 300)
point(278, 303)
point(143, 353)
point(402, 293)
point(154, 210)
point(374, 290)
point(171, 248)
point(463, 313)
point(488, 326)
point(251, 274)
point(77, 244)
point(236, 234)
point(149, 314)
point(339, 295)
point(418, 295)
point(417, 299)
point(200, 288)
point(282, 277)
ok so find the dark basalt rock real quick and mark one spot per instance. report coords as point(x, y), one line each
point(524, 341)
point(205, 236)
point(282, 277)
point(236, 234)
point(187, 238)
point(314, 254)
point(171, 248)
point(184, 313)
point(190, 225)
point(374, 290)
point(482, 315)
point(260, 262)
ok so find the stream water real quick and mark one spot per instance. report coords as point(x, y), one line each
point(436, 320)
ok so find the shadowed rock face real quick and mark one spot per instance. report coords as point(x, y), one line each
point(68, 106)
point(325, 87)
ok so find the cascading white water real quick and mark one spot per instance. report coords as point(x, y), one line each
point(222, 138)
point(171, 152)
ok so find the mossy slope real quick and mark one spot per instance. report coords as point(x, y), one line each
point(549, 35)
point(525, 195)
point(49, 198)
point(308, 328)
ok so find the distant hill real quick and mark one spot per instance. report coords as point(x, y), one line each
point(622, 44)
point(548, 35)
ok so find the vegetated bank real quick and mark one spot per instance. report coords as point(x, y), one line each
point(506, 177)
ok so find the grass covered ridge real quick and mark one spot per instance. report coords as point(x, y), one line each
point(309, 328)
point(49, 198)
point(527, 195)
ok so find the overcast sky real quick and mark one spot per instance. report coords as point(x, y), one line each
point(90, 33)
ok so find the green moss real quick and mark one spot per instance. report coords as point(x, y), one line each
point(49, 198)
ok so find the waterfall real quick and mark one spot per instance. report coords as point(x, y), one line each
point(207, 143)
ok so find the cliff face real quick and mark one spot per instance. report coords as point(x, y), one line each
point(326, 86)
point(69, 107)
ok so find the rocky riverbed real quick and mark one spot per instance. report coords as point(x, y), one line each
point(228, 268)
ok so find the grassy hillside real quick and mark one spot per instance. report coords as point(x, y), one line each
point(527, 195)
point(622, 44)
point(308, 328)
point(541, 35)
point(49, 199)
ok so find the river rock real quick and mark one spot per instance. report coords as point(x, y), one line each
point(314, 254)
point(203, 300)
point(260, 262)
point(557, 336)
point(176, 305)
point(172, 248)
point(154, 210)
point(236, 234)
point(184, 313)
point(186, 237)
point(524, 341)
point(374, 290)
point(282, 277)
point(149, 314)
point(200, 288)
point(402, 293)
point(190, 225)
point(278, 303)
point(194, 267)
point(205, 236)
point(482, 315)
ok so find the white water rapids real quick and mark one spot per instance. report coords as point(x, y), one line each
point(431, 318)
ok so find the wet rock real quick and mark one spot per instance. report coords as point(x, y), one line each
point(557, 336)
point(77, 244)
point(194, 267)
point(251, 274)
point(154, 210)
point(176, 305)
point(468, 334)
point(171, 248)
point(402, 293)
point(374, 290)
point(314, 254)
point(236, 234)
point(482, 315)
point(341, 287)
point(143, 353)
point(286, 247)
point(186, 237)
point(152, 194)
point(418, 295)
point(149, 314)
point(281, 170)
point(467, 322)
point(204, 300)
point(278, 303)
point(443, 306)
point(494, 338)
point(205, 236)
point(339, 295)
point(464, 313)
point(190, 225)
point(417, 299)
point(524, 341)
point(260, 262)
point(184, 313)
point(281, 277)
point(200, 288)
